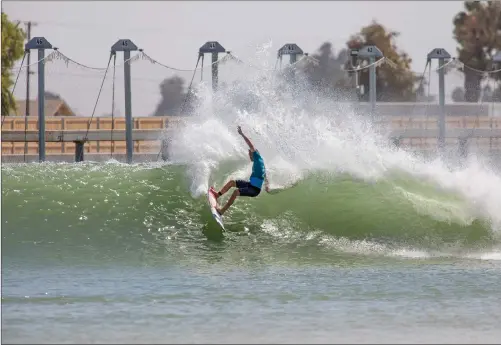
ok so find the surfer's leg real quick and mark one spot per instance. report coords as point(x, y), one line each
point(230, 201)
point(227, 186)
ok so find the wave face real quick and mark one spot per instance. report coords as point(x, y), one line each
point(343, 189)
point(114, 212)
point(302, 134)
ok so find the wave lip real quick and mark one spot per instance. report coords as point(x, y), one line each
point(301, 133)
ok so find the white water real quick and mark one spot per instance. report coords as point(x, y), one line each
point(302, 133)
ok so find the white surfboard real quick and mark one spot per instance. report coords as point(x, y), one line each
point(212, 204)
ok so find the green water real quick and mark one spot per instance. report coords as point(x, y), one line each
point(115, 253)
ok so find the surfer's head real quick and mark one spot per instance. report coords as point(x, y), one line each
point(250, 156)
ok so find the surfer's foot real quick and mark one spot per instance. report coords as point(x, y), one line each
point(213, 191)
point(218, 209)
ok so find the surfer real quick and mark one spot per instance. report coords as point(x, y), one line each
point(251, 188)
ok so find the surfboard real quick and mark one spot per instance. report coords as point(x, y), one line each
point(212, 204)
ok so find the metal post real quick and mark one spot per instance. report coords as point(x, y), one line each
point(354, 65)
point(79, 150)
point(293, 50)
point(214, 72)
point(463, 147)
point(128, 107)
point(372, 52)
point(41, 105)
point(126, 46)
point(40, 43)
point(214, 48)
point(372, 83)
point(28, 72)
point(440, 54)
point(27, 109)
point(292, 61)
point(441, 101)
point(496, 59)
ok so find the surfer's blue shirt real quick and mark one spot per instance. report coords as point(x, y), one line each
point(258, 170)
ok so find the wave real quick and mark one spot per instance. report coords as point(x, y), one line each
point(116, 209)
point(301, 134)
point(342, 185)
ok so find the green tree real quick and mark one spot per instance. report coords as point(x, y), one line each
point(12, 50)
point(174, 100)
point(422, 90)
point(458, 94)
point(487, 94)
point(327, 76)
point(397, 83)
point(478, 33)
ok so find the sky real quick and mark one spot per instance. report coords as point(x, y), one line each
point(171, 32)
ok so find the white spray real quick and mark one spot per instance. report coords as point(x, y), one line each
point(297, 132)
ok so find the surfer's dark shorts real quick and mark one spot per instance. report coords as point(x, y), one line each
point(246, 189)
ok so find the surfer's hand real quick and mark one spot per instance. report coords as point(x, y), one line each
point(239, 130)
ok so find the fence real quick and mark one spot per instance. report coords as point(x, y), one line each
point(15, 123)
point(452, 122)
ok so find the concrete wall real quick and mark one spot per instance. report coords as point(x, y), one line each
point(89, 157)
point(431, 109)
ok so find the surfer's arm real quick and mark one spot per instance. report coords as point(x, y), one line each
point(249, 143)
point(267, 187)
point(276, 190)
point(266, 184)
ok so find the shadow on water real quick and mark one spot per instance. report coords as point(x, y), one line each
point(209, 228)
point(213, 232)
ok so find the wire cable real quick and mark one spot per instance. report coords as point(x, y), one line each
point(97, 100)
point(11, 95)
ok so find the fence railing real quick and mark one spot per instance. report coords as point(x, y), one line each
point(16, 123)
point(400, 124)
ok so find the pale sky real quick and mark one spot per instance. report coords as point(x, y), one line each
point(172, 32)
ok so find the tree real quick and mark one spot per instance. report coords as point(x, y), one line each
point(458, 94)
point(496, 95)
point(175, 101)
point(487, 94)
point(393, 83)
point(478, 33)
point(328, 75)
point(49, 95)
point(490, 94)
point(422, 90)
point(12, 50)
